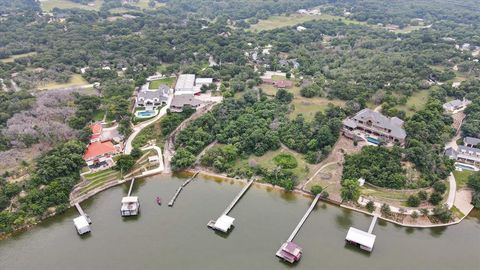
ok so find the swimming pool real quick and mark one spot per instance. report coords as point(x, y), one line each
point(373, 140)
point(146, 114)
point(462, 166)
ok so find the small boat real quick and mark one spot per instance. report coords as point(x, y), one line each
point(159, 201)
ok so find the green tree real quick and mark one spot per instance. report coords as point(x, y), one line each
point(350, 190)
point(370, 206)
point(182, 159)
point(385, 210)
point(435, 198)
point(413, 201)
point(316, 189)
point(440, 187)
point(422, 195)
point(124, 163)
point(136, 153)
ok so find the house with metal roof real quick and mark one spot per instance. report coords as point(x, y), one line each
point(186, 100)
point(471, 142)
point(188, 84)
point(456, 105)
point(374, 125)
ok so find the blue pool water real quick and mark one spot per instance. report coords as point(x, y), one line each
point(464, 167)
point(146, 113)
point(373, 140)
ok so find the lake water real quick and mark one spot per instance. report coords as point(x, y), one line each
point(178, 238)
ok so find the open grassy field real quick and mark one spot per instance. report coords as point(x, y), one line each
point(305, 106)
point(48, 5)
point(99, 178)
point(170, 81)
point(462, 178)
point(75, 80)
point(266, 161)
point(415, 103)
point(142, 4)
point(283, 21)
point(12, 58)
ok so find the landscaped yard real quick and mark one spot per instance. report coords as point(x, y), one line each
point(152, 132)
point(12, 58)
point(99, 178)
point(283, 21)
point(48, 5)
point(75, 80)
point(266, 161)
point(461, 177)
point(170, 81)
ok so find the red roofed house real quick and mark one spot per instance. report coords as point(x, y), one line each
point(96, 132)
point(100, 153)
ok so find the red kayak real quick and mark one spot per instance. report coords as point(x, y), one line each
point(159, 201)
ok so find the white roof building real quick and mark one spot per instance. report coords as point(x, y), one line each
point(81, 224)
point(224, 223)
point(364, 239)
point(185, 84)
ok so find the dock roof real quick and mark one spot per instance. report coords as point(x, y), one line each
point(224, 223)
point(81, 222)
point(360, 237)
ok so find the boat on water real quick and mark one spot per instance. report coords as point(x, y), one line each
point(159, 201)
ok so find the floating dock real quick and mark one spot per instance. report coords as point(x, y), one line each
point(130, 205)
point(225, 222)
point(179, 189)
point(290, 251)
point(82, 222)
point(364, 240)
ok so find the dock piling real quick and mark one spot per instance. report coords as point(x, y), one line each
point(179, 189)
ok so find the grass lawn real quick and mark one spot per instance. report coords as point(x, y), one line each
point(152, 132)
point(306, 106)
point(266, 161)
point(170, 81)
point(12, 58)
point(387, 195)
point(415, 102)
point(97, 179)
point(99, 115)
point(461, 177)
point(283, 21)
point(75, 80)
point(48, 5)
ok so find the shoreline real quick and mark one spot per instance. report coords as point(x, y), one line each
point(310, 195)
point(209, 174)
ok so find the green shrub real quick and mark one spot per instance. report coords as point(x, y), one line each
point(422, 195)
point(440, 187)
point(435, 198)
point(385, 210)
point(413, 201)
point(286, 161)
point(316, 189)
point(370, 206)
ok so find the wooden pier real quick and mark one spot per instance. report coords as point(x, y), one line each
point(80, 211)
point(179, 189)
point(292, 252)
point(304, 218)
point(372, 224)
point(237, 198)
point(130, 205)
point(362, 239)
point(225, 222)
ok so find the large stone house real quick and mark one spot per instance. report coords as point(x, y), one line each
point(150, 99)
point(185, 100)
point(374, 127)
point(467, 153)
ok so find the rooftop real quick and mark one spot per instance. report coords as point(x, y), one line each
point(185, 82)
point(96, 149)
point(471, 140)
point(393, 124)
point(181, 100)
point(80, 222)
point(224, 223)
point(360, 237)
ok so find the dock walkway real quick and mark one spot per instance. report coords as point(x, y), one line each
point(82, 213)
point(131, 187)
point(179, 189)
point(372, 224)
point(304, 218)
point(237, 198)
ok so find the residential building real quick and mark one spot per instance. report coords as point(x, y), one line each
point(471, 142)
point(189, 84)
point(150, 99)
point(99, 154)
point(374, 127)
point(185, 100)
point(456, 105)
point(464, 154)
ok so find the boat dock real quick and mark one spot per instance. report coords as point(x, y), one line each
point(225, 222)
point(290, 251)
point(179, 189)
point(363, 240)
point(82, 222)
point(130, 205)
